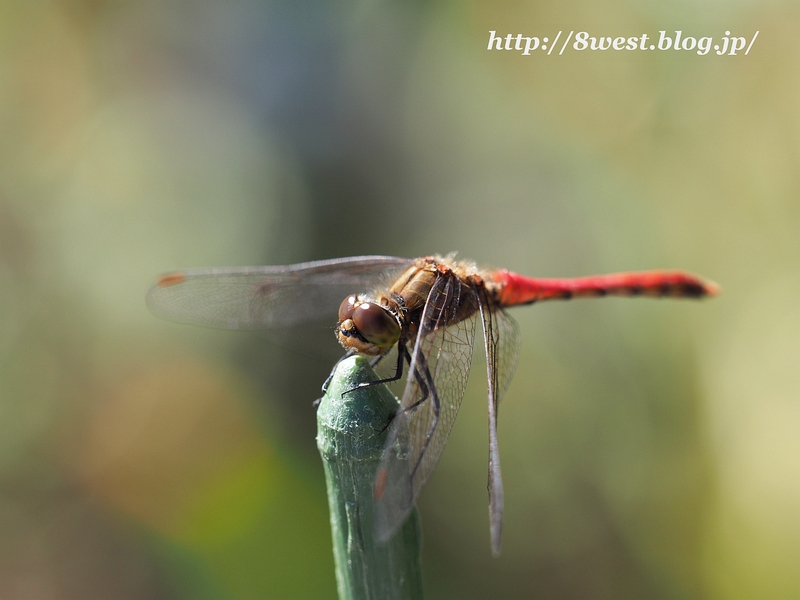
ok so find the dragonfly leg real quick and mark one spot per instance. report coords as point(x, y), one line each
point(425, 382)
point(402, 354)
point(428, 388)
point(327, 382)
point(375, 360)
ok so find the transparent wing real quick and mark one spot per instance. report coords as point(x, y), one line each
point(437, 377)
point(265, 297)
point(506, 341)
point(501, 337)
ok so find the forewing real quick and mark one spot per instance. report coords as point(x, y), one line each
point(501, 338)
point(266, 297)
point(440, 364)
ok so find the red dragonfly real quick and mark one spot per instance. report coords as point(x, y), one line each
point(426, 308)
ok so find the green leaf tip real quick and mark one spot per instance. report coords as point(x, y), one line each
point(352, 426)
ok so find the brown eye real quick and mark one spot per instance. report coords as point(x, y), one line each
point(346, 308)
point(376, 324)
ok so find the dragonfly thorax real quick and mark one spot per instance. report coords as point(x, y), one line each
point(367, 326)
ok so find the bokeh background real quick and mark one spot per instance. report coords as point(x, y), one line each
point(651, 449)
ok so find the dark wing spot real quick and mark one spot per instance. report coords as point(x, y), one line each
point(380, 484)
point(171, 279)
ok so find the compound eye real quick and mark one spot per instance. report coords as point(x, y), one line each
point(376, 324)
point(346, 308)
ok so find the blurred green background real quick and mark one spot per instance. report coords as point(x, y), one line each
point(650, 448)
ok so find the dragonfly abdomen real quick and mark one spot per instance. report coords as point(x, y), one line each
point(515, 289)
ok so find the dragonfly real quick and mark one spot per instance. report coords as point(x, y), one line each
point(427, 309)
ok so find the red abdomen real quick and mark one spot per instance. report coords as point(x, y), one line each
point(516, 289)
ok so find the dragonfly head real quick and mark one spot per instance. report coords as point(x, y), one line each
point(366, 326)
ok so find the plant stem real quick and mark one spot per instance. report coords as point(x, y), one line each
point(351, 433)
